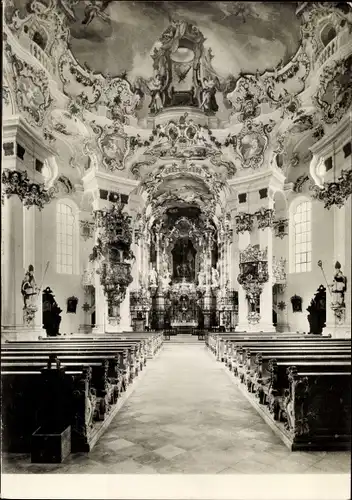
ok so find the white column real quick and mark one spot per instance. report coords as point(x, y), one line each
point(13, 271)
point(342, 253)
point(266, 297)
point(101, 307)
point(244, 240)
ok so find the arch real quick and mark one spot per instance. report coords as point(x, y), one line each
point(280, 202)
point(67, 236)
point(300, 234)
point(327, 34)
point(40, 38)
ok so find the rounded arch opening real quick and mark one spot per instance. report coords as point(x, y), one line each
point(327, 34)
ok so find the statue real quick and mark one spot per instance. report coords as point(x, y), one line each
point(214, 277)
point(51, 313)
point(153, 277)
point(155, 85)
point(208, 101)
point(201, 278)
point(28, 288)
point(339, 286)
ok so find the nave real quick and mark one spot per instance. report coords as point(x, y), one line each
point(187, 415)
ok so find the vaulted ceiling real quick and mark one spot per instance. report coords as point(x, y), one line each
point(275, 92)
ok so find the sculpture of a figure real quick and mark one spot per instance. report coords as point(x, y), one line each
point(51, 313)
point(153, 277)
point(155, 85)
point(28, 287)
point(201, 278)
point(208, 101)
point(214, 277)
point(339, 286)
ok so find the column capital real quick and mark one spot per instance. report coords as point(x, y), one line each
point(16, 130)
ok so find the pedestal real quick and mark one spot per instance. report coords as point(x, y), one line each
point(23, 333)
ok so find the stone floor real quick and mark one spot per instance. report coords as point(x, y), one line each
point(186, 416)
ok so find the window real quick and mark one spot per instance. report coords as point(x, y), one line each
point(65, 239)
point(302, 225)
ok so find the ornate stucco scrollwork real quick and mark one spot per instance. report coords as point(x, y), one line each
point(252, 142)
point(244, 222)
point(87, 229)
point(336, 80)
point(30, 193)
point(336, 192)
point(113, 144)
point(279, 270)
point(300, 182)
point(31, 88)
point(280, 227)
point(264, 217)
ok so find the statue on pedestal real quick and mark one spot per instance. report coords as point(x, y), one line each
point(338, 289)
point(339, 286)
point(214, 277)
point(153, 277)
point(29, 293)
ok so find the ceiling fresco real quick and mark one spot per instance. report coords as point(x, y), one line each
point(184, 90)
point(246, 36)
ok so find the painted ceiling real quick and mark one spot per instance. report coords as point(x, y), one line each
point(252, 86)
point(243, 36)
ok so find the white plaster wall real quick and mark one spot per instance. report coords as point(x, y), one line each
point(63, 285)
point(306, 284)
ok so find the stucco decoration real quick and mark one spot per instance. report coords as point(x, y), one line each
point(244, 222)
point(31, 88)
point(113, 145)
point(264, 217)
point(30, 193)
point(334, 94)
point(301, 183)
point(210, 179)
point(336, 192)
point(252, 142)
point(318, 14)
point(179, 139)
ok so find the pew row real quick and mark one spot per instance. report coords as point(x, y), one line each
point(89, 377)
point(300, 386)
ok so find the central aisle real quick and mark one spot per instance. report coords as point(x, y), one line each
point(187, 416)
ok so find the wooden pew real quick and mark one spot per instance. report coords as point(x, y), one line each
point(316, 409)
point(103, 361)
point(243, 357)
point(129, 352)
point(258, 373)
point(293, 379)
point(32, 399)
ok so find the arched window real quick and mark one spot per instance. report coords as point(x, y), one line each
point(301, 227)
point(66, 238)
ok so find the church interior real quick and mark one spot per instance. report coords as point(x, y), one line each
point(176, 237)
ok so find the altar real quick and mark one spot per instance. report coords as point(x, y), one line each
point(184, 324)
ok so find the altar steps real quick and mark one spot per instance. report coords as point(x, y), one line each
point(184, 338)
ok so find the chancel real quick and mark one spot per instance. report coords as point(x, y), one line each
point(176, 237)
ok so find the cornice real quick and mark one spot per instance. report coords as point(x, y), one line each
point(336, 137)
point(101, 180)
point(17, 128)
